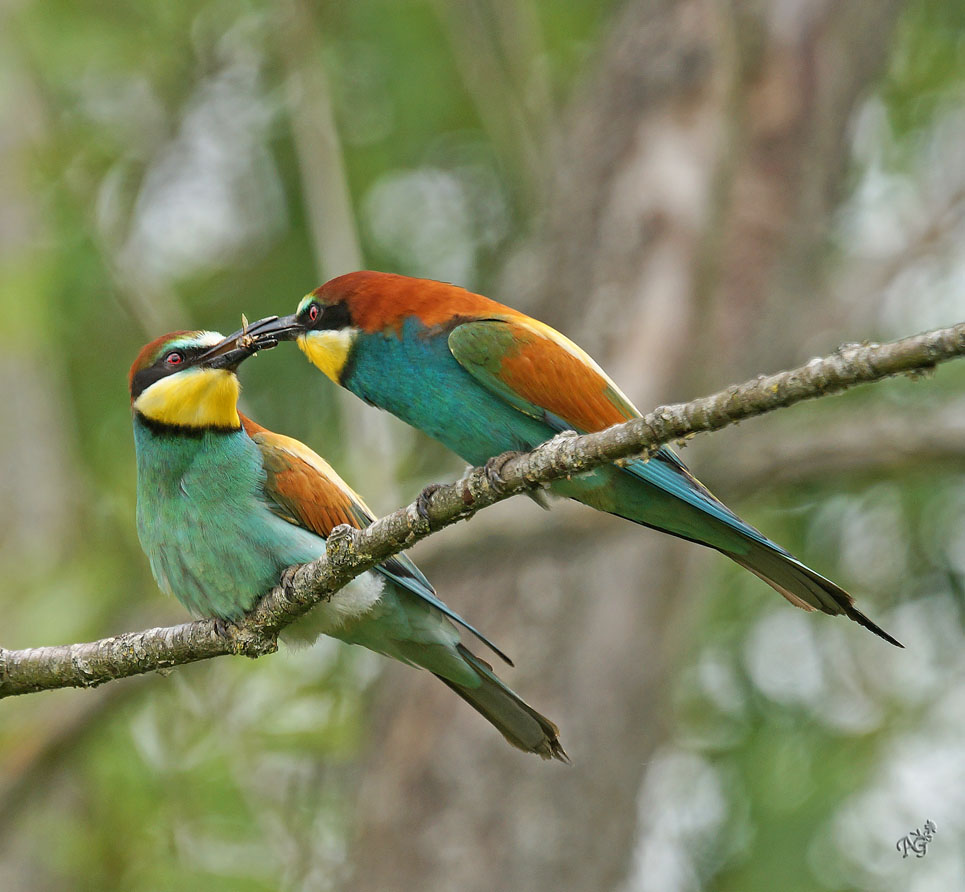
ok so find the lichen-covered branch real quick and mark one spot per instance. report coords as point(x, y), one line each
point(351, 552)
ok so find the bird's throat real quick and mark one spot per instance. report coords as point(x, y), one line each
point(195, 398)
point(329, 350)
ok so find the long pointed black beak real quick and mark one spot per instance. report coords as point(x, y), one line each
point(286, 328)
point(237, 347)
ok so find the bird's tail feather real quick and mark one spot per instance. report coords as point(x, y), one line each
point(803, 587)
point(515, 719)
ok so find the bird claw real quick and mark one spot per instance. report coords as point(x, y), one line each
point(422, 503)
point(224, 628)
point(287, 579)
point(494, 468)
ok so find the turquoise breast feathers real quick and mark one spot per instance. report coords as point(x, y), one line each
point(212, 541)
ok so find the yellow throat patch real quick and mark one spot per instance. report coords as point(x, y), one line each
point(193, 398)
point(328, 350)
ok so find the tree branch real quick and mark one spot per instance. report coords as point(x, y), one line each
point(857, 445)
point(350, 552)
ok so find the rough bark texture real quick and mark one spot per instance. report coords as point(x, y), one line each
point(688, 205)
point(350, 551)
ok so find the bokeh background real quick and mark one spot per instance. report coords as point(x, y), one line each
point(697, 192)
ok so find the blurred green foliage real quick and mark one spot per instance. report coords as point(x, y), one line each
point(928, 70)
point(154, 183)
point(151, 181)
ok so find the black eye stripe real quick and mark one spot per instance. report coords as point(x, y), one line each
point(161, 368)
point(187, 354)
point(332, 317)
point(146, 377)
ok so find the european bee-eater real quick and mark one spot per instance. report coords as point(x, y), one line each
point(224, 506)
point(484, 379)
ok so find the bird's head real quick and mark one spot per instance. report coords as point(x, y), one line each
point(323, 327)
point(328, 321)
point(187, 379)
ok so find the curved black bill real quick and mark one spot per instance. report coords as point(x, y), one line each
point(237, 347)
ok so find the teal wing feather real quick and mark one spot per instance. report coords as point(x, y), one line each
point(546, 376)
point(669, 474)
point(302, 488)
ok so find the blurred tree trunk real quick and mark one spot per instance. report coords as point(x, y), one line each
point(688, 210)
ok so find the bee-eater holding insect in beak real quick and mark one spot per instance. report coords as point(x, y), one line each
point(485, 379)
point(224, 506)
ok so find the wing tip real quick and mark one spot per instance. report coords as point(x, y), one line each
point(826, 596)
point(871, 626)
point(553, 749)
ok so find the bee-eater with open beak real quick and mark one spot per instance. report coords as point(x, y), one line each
point(484, 379)
point(224, 506)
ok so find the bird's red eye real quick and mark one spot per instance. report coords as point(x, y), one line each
point(174, 358)
point(313, 312)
